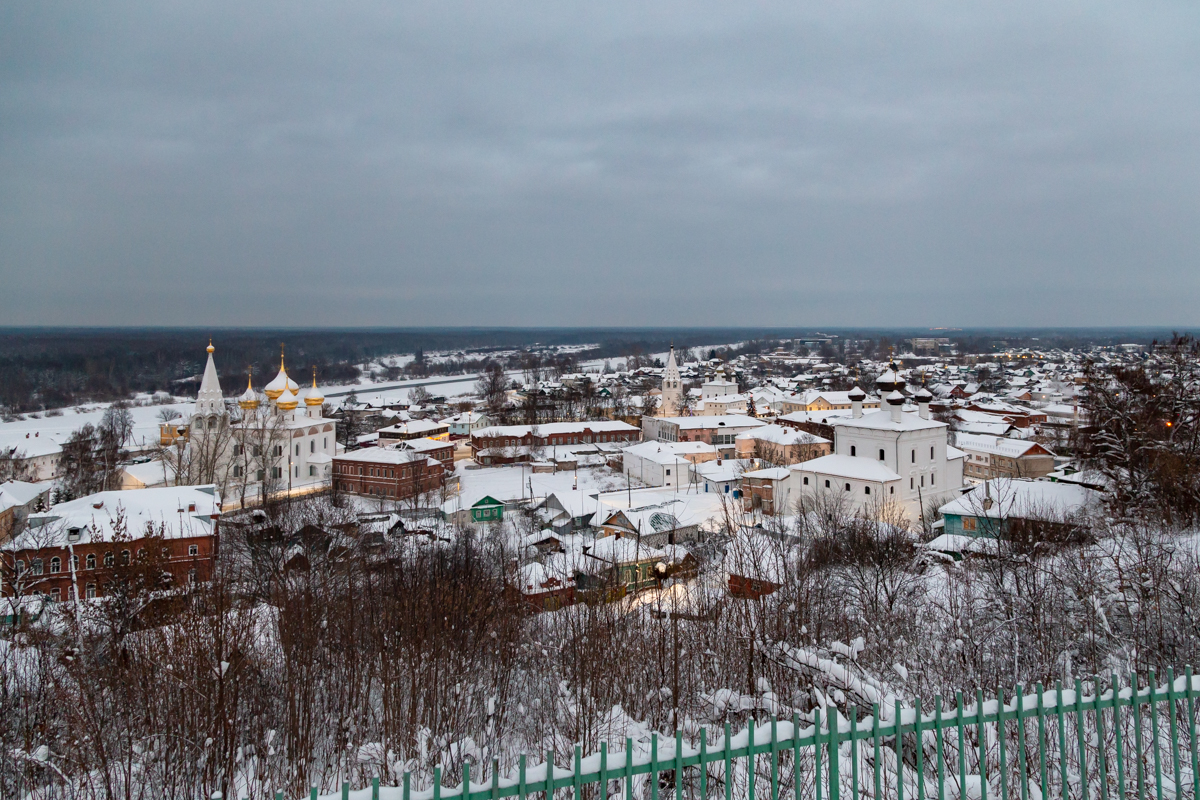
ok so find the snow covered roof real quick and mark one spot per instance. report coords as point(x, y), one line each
point(769, 474)
point(716, 421)
point(1022, 498)
point(782, 435)
point(670, 452)
point(882, 421)
point(999, 445)
point(20, 493)
point(853, 467)
point(180, 511)
point(553, 428)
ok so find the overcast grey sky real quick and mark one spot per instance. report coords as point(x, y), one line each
point(562, 163)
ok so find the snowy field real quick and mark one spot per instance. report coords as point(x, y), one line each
point(27, 434)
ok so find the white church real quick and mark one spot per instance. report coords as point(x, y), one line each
point(891, 462)
point(300, 443)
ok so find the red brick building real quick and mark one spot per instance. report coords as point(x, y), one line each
point(84, 543)
point(417, 467)
point(508, 444)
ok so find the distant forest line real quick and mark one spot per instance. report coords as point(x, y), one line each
point(55, 367)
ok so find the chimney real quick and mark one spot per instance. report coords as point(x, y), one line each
point(895, 400)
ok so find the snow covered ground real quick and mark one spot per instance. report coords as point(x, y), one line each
point(28, 434)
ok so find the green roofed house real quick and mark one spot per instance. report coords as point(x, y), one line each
point(487, 509)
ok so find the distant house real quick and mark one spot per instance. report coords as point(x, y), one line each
point(1022, 511)
point(414, 429)
point(546, 586)
point(755, 565)
point(18, 499)
point(999, 457)
point(782, 445)
point(464, 424)
point(487, 509)
point(511, 444)
point(625, 565)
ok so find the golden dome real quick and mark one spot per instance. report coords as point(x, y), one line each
point(313, 396)
point(249, 399)
point(279, 384)
point(287, 400)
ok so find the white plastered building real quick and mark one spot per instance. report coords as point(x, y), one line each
point(887, 457)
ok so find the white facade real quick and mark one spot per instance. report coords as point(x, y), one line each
point(664, 463)
point(890, 456)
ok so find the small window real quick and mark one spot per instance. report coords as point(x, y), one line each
point(55, 594)
point(90, 561)
point(847, 487)
point(881, 454)
point(866, 490)
point(922, 480)
point(891, 490)
point(37, 566)
point(109, 559)
point(193, 550)
point(826, 483)
point(20, 567)
point(55, 565)
point(806, 480)
point(914, 456)
point(90, 591)
point(312, 446)
point(853, 450)
point(124, 557)
point(312, 470)
point(912, 482)
point(668, 472)
point(191, 576)
point(968, 523)
point(932, 476)
point(931, 453)
point(297, 448)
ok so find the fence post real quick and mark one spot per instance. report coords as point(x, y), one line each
point(1174, 728)
point(853, 712)
point(1043, 774)
point(703, 765)
point(1189, 695)
point(1079, 734)
point(774, 751)
point(437, 783)
point(495, 779)
point(1022, 762)
point(375, 788)
point(654, 766)
point(603, 771)
point(521, 790)
point(962, 747)
point(835, 774)
point(938, 735)
point(406, 791)
point(1137, 734)
point(679, 765)
point(549, 775)
point(1154, 736)
point(816, 751)
point(878, 763)
point(1102, 750)
point(466, 781)
point(981, 732)
point(578, 777)
point(796, 753)
point(1000, 736)
point(728, 763)
point(749, 758)
point(900, 752)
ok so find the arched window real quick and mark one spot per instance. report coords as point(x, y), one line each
point(847, 487)
point(931, 452)
point(124, 556)
point(55, 564)
point(866, 490)
point(90, 591)
point(90, 561)
point(914, 456)
point(108, 559)
point(853, 450)
point(881, 454)
point(37, 566)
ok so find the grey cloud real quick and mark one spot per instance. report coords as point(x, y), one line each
point(617, 163)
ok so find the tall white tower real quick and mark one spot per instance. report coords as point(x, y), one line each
point(209, 412)
point(672, 389)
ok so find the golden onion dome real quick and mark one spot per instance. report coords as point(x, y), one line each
point(287, 401)
point(313, 396)
point(249, 399)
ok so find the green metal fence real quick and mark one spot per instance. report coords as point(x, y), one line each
point(1097, 740)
